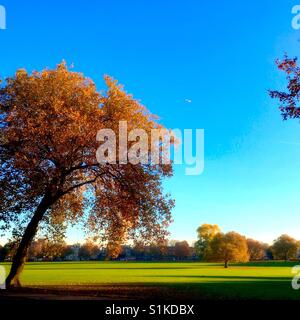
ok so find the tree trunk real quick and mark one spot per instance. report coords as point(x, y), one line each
point(13, 279)
point(226, 264)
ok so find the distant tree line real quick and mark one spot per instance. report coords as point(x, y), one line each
point(46, 250)
point(214, 245)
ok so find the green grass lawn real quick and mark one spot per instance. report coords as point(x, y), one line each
point(265, 280)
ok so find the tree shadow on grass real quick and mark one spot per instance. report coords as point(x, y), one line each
point(235, 287)
point(267, 264)
point(191, 291)
point(224, 277)
point(236, 290)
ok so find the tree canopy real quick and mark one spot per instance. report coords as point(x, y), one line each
point(48, 168)
point(229, 247)
point(256, 249)
point(285, 247)
point(289, 99)
point(182, 249)
point(206, 232)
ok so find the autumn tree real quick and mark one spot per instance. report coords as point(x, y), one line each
point(229, 247)
point(256, 249)
point(285, 248)
point(54, 250)
point(206, 232)
point(113, 250)
point(35, 250)
point(158, 249)
point(182, 249)
point(153, 251)
point(48, 169)
point(289, 99)
point(88, 250)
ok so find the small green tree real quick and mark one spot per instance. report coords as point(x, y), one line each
point(206, 232)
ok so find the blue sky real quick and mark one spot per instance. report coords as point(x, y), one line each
point(218, 54)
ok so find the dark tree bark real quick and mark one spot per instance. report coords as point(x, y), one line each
point(13, 279)
point(226, 264)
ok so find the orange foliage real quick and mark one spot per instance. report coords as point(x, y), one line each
point(48, 126)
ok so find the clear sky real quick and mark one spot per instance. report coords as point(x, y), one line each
point(220, 55)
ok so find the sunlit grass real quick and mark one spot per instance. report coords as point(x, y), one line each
point(269, 280)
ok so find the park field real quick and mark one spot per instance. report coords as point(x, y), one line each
point(261, 280)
